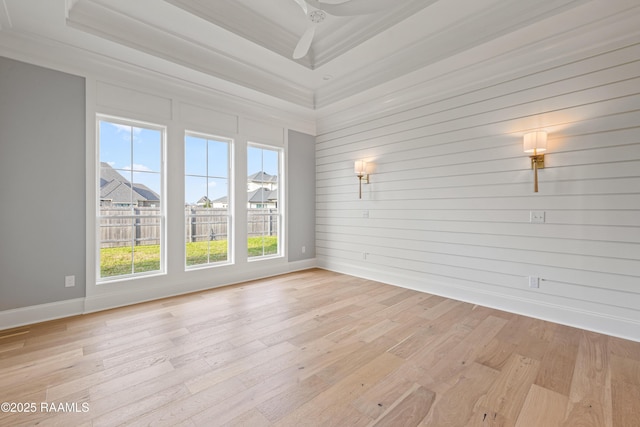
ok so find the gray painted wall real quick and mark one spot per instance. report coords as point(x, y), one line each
point(302, 196)
point(42, 184)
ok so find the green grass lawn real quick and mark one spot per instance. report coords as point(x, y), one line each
point(117, 261)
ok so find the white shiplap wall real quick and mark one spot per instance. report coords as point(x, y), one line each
point(449, 202)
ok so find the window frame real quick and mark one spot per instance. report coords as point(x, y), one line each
point(162, 215)
point(230, 199)
point(281, 253)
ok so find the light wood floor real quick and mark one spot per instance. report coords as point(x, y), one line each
point(316, 348)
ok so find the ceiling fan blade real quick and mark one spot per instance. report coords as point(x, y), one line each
point(354, 7)
point(303, 5)
point(304, 44)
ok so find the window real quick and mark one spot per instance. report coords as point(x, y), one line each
point(264, 220)
point(131, 203)
point(206, 200)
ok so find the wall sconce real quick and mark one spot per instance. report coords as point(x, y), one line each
point(536, 142)
point(360, 169)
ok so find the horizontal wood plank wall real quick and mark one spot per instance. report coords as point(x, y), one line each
point(447, 210)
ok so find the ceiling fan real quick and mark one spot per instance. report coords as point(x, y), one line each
point(320, 11)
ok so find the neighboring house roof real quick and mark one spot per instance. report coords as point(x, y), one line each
point(117, 188)
point(262, 195)
point(262, 177)
point(145, 192)
point(223, 200)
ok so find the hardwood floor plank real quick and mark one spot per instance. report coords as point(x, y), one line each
point(624, 348)
point(625, 390)
point(409, 411)
point(507, 394)
point(455, 406)
point(178, 411)
point(279, 406)
point(232, 364)
point(588, 393)
point(142, 407)
point(252, 418)
point(143, 395)
point(554, 404)
point(455, 360)
point(496, 353)
point(556, 367)
point(382, 396)
point(401, 296)
point(335, 372)
point(324, 406)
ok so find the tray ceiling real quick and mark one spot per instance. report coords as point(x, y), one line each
point(249, 43)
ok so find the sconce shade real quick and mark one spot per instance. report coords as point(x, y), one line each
point(360, 167)
point(535, 142)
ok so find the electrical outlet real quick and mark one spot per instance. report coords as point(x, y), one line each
point(304, 249)
point(536, 217)
point(534, 282)
point(365, 214)
point(69, 281)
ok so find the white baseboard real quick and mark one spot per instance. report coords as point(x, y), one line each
point(56, 310)
point(40, 313)
point(592, 321)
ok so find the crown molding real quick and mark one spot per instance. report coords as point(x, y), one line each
point(101, 20)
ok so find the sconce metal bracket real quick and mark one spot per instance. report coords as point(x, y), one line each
point(539, 159)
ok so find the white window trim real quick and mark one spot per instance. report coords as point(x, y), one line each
point(281, 202)
point(163, 202)
point(230, 201)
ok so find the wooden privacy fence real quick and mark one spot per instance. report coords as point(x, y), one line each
point(205, 224)
point(263, 222)
point(121, 226)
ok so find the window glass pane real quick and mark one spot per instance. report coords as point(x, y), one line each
point(147, 150)
point(218, 189)
point(114, 192)
point(195, 155)
point(115, 145)
point(146, 255)
point(116, 231)
point(143, 193)
point(195, 190)
point(218, 159)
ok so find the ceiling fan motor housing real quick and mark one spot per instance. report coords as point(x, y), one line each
point(317, 16)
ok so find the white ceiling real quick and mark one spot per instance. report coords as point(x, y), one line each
point(249, 43)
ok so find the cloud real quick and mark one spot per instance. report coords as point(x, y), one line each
point(138, 168)
point(212, 184)
point(125, 129)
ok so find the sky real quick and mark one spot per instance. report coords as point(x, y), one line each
point(136, 154)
